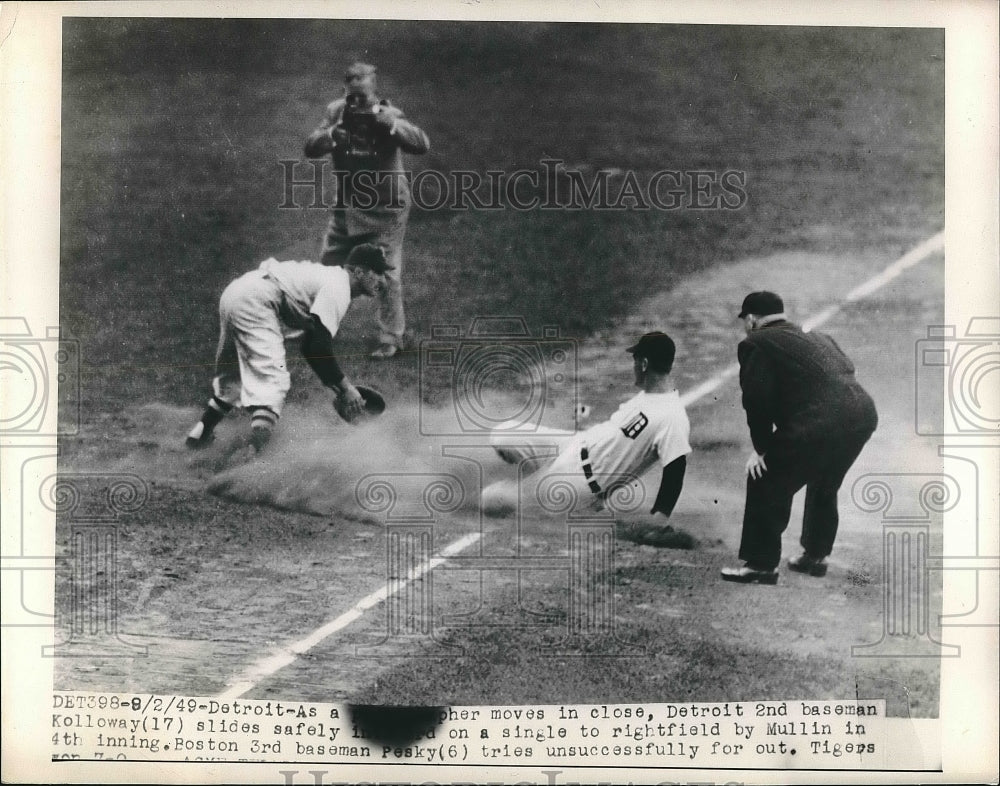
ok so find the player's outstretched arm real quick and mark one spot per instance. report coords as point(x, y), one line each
point(317, 349)
point(671, 483)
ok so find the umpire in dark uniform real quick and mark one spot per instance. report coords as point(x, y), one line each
point(809, 419)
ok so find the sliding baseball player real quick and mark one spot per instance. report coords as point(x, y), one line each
point(651, 427)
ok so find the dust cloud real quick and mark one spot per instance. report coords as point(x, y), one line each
point(316, 463)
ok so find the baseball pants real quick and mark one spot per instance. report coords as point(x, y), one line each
point(821, 468)
point(551, 458)
point(250, 368)
point(385, 227)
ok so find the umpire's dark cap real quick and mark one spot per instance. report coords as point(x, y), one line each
point(370, 256)
point(762, 304)
point(658, 348)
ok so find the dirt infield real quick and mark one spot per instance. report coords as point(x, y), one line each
point(173, 136)
point(217, 578)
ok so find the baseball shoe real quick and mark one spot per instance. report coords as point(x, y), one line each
point(810, 565)
point(198, 437)
point(750, 575)
point(259, 437)
point(385, 351)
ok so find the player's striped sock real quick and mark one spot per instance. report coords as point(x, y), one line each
point(216, 410)
point(263, 417)
point(262, 421)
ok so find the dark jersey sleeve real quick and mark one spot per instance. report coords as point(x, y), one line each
point(317, 349)
point(758, 382)
point(671, 482)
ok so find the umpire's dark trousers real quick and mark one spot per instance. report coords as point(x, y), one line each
point(820, 466)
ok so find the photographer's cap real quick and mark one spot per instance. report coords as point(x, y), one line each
point(359, 69)
point(370, 256)
point(657, 347)
point(762, 304)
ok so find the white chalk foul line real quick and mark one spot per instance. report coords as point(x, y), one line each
point(908, 260)
point(287, 655)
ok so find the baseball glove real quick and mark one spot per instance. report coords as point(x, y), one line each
point(374, 406)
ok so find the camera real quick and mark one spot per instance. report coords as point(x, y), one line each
point(495, 373)
point(359, 121)
point(957, 379)
point(33, 369)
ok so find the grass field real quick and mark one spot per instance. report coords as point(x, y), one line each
point(172, 134)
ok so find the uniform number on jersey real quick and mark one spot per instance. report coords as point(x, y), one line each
point(634, 427)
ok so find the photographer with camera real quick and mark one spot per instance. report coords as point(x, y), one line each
point(366, 137)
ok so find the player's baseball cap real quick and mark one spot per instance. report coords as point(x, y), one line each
point(370, 256)
point(658, 348)
point(762, 304)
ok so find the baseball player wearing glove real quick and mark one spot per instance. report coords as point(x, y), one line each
point(258, 310)
point(366, 137)
point(650, 427)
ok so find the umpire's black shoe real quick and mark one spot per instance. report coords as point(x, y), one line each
point(749, 575)
point(807, 564)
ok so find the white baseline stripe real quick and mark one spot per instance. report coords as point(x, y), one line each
point(283, 657)
point(908, 260)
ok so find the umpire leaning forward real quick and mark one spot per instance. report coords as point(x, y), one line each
point(809, 419)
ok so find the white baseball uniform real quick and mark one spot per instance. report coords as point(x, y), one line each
point(256, 313)
point(648, 428)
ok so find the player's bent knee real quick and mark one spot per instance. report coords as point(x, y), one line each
point(501, 439)
point(498, 500)
point(508, 428)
